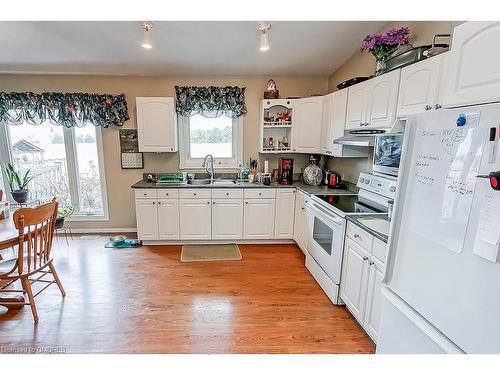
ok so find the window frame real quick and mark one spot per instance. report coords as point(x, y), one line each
point(186, 162)
point(72, 168)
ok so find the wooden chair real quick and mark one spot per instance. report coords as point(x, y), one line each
point(34, 261)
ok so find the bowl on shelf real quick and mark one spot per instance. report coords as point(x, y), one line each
point(117, 240)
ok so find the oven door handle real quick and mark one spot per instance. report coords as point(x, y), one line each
point(327, 215)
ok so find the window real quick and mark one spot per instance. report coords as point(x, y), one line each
point(219, 136)
point(66, 163)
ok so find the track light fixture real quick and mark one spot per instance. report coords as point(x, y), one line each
point(146, 40)
point(264, 28)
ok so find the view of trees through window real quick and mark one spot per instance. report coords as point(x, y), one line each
point(211, 136)
point(42, 150)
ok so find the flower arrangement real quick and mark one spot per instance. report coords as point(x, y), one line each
point(383, 46)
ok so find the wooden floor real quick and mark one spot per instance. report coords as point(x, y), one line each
point(146, 301)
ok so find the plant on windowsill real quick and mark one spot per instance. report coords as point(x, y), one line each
point(383, 46)
point(14, 179)
point(63, 213)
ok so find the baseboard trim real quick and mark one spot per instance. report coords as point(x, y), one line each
point(214, 242)
point(102, 230)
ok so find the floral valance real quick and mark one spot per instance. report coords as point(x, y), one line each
point(67, 109)
point(211, 101)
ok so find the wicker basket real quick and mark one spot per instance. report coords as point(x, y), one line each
point(271, 94)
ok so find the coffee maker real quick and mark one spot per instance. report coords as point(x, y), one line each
point(285, 171)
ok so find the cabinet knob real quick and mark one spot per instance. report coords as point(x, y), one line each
point(209, 202)
point(246, 202)
point(227, 193)
point(365, 258)
point(154, 202)
point(437, 106)
point(371, 263)
point(260, 193)
point(356, 235)
point(288, 102)
point(159, 202)
point(194, 193)
point(302, 208)
point(428, 107)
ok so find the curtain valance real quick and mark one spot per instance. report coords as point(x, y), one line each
point(67, 109)
point(211, 101)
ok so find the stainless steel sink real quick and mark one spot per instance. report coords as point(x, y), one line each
point(199, 181)
point(206, 181)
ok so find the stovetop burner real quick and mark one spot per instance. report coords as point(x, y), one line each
point(348, 204)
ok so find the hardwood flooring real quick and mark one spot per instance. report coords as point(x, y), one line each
point(146, 301)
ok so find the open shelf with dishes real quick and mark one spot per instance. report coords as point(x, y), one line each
point(276, 125)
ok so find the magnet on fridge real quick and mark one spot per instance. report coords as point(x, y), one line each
point(461, 120)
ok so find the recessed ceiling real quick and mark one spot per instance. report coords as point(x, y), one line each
point(179, 48)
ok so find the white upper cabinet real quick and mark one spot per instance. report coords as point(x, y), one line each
point(156, 124)
point(356, 105)
point(306, 130)
point(372, 104)
point(419, 86)
point(382, 100)
point(473, 73)
point(284, 217)
point(326, 120)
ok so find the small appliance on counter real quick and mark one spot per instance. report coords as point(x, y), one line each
point(285, 171)
point(335, 181)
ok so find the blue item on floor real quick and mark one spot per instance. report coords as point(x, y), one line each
point(128, 243)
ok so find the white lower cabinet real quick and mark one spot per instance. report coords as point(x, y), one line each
point(285, 208)
point(258, 219)
point(168, 219)
point(362, 274)
point(374, 298)
point(227, 219)
point(355, 277)
point(195, 219)
point(301, 225)
point(147, 219)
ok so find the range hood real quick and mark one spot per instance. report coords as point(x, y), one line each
point(366, 137)
point(348, 139)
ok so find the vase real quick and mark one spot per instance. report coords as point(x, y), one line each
point(20, 196)
point(380, 67)
point(313, 175)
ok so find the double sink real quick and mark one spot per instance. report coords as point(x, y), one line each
point(207, 181)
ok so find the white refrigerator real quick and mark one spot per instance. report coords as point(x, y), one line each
point(442, 283)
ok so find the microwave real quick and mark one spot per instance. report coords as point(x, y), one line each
point(387, 153)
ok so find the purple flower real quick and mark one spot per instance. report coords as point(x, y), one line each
point(394, 37)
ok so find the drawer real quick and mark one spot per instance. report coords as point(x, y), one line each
point(227, 193)
point(379, 249)
point(260, 193)
point(168, 193)
point(360, 236)
point(145, 193)
point(195, 193)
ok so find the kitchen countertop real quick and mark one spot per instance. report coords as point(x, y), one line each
point(353, 218)
point(308, 189)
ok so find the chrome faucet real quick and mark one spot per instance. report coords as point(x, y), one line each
point(209, 168)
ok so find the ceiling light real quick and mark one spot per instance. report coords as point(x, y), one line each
point(146, 40)
point(264, 28)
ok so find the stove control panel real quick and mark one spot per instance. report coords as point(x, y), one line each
point(377, 184)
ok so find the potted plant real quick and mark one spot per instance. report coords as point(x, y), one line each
point(383, 46)
point(20, 195)
point(63, 213)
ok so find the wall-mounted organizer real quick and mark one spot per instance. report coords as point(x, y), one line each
point(276, 125)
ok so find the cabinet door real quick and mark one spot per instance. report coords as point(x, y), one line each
point(258, 219)
point(473, 76)
point(382, 100)
point(326, 119)
point(306, 227)
point(374, 299)
point(227, 219)
point(354, 278)
point(306, 130)
point(285, 210)
point(147, 219)
point(356, 105)
point(168, 219)
point(297, 225)
point(419, 86)
point(337, 120)
point(156, 124)
point(195, 219)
